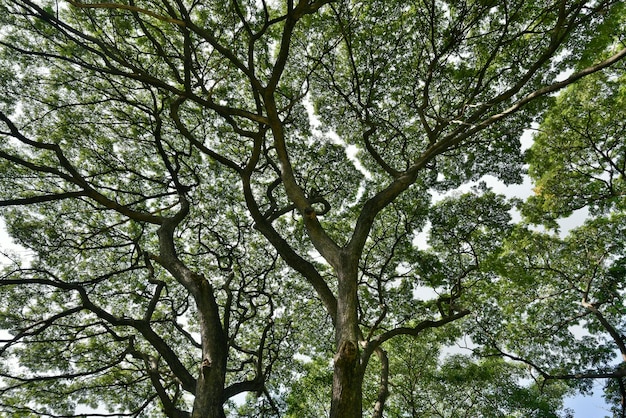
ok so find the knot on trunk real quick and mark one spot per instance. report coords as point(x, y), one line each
point(347, 353)
point(206, 367)
point(309, 212)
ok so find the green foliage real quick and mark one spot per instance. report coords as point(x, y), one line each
point(578, 156)
point(199, 234)
point(309, 395)
point(429, 383)
point(559, 305)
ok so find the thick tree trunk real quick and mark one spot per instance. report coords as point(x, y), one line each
point(209, 400)
point(347, 397)
point(209, 393)
point(347, 383)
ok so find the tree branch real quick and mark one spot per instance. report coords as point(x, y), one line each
point(414, 331)
point(131, 8)
point(41, 199)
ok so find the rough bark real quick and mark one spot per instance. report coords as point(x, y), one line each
point(347, 382)
point(209, 391)
point(209, 399)
point(383, 388)
point(347, 397)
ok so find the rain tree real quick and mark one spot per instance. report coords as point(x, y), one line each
point(566, 316)
point(460, 386)
point(425, 381)
point(558, 307)
point(579, 156)
point(192, 175)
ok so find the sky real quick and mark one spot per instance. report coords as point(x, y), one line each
point(588, 406)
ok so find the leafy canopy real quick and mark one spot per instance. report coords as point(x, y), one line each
point(227, 197)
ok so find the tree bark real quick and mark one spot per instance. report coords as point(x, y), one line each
point(347, 396)
point(347, 383)
point(383, 389)
point(209, 391)
point(209, 400)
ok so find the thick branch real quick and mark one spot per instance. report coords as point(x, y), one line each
point(615, 334)
point(41, 199)
point(72, 175)
point(378, 202)
point(170, 357)
point(131, 8)
point(383, 388)
point(618, 373)
point(544, 91)
point(322, 242)
point(414, 331)
point(288, 254)
point(152, 367)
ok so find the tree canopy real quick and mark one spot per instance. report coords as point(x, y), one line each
point(229, 197)
point(578, 156)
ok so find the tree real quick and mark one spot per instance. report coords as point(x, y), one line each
point(563, 312)
point(149, 145)
point(578, 159)
point(568, 291)
point(426, 382)
point(460, 386)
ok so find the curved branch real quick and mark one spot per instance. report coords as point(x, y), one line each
point(152, 368)
point(41, 199)
point(552, 88)
point(379, 201)
point(287, 253)
point(615, 334)
point(414, 331)
point(370, 148)
point(72, 175)
point(170, 357)
point(126, 7)
point(38, 327)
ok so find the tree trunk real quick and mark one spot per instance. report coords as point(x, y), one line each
point(347, 383)
point(209, 395)
point(347, 397)
point(209, 400)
